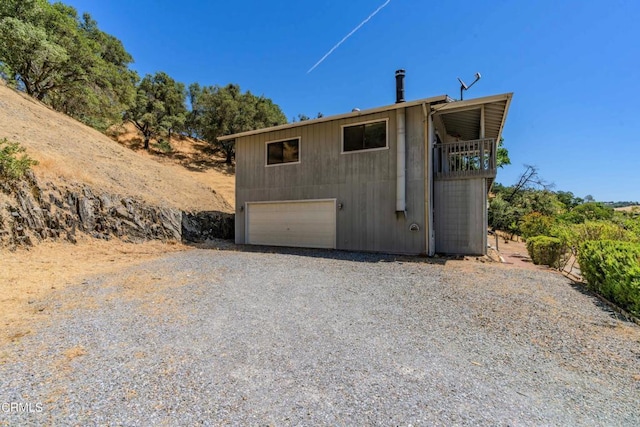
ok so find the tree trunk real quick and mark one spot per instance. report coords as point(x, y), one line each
point(146, 142)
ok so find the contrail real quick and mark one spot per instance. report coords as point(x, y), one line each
point(349, 35)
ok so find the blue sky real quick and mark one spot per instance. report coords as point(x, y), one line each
point(572, 65)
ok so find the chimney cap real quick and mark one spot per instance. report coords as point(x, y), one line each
point(399, 86)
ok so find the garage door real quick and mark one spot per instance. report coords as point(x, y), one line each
point(301, 223)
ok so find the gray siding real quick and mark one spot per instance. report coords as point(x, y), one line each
point(460, 219)
point(363, 182)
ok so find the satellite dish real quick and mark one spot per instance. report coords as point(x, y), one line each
point(463, 85)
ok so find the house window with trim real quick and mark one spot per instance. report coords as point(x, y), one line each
point(364, 136)
point(283, 152)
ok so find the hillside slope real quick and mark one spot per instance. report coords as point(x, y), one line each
point(195, 157)
point(71, 153)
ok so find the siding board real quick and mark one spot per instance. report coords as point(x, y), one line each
point(460, 216)
point(364, 182)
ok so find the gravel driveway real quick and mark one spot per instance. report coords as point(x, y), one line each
point(303, 337)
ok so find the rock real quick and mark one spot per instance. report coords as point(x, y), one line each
point(55, 196)
point(171, 220)
point(105, 201)
point(206, 225)
point(71, 235)
point(35, 213)
point(122, 212)
point(86, 213)
point(30, 209)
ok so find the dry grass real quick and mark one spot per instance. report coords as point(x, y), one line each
point(70, 152)
point(28, 276)
point(635, 208)
point(190, 178)
point(74, 352)
point(148, 287)
point(194, 156)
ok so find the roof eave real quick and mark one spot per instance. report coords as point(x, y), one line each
point(475, 102)
point(441, 98)
point(504, 115)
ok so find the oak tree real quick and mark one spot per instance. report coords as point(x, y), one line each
point(159, 106)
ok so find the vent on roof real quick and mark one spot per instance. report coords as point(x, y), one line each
point(399, 86)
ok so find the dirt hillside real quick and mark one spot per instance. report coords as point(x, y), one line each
point(72, 153)
point(194, 157)
point(80, 173)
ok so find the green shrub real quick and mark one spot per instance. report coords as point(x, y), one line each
point(14, 163)
point(545, 250)
point(164, 146)
point(633, 226)
point(573, 235)
point(612, 269)
point(535, 224)
point(589, 211)
point(603, 230)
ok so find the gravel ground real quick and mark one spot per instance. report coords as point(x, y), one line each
point(304, 337)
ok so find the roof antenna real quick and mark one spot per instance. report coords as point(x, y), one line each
point(464, 87)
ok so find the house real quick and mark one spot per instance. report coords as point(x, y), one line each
point(410, 178)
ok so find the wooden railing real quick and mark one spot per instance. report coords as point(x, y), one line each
point(465, 159)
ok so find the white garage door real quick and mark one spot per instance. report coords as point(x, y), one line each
point(301, 223)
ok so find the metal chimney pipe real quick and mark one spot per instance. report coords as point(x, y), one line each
point(399, 86)
point(401, 151)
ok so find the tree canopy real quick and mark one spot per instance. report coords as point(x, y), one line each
point(158, 106)
point(502, 155)
point(529, 206)
point(65, 60)
point(224, 110)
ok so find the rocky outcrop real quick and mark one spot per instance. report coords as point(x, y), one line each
point(30, 212)
point(207, 225)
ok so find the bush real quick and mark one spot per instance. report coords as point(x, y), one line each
point(503, 215)
point(545, 250)
point(612, 269)
point(14, 163)
point(573, 235)
point(535, 224)
point(633, 226)
point(603, 230)
point(589, 211)
point(164, 146)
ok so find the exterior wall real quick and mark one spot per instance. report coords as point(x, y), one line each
point(363, 182)
point(460, 219)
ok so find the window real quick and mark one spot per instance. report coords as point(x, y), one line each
point(281, 152)
point(364, 136)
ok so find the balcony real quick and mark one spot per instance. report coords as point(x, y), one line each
point(466, 159)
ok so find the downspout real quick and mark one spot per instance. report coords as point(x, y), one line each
point(485, 216)
point(428, 155)
point(401, 153)
point(401, 189)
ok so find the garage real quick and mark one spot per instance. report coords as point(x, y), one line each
point(300, 223)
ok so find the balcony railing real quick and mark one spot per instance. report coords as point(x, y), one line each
point(465, 159)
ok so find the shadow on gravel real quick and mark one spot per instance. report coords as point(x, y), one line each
point(372, 257)
point(603, 304)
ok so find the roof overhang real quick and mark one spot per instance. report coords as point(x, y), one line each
point(432, 100)
point(467, 120)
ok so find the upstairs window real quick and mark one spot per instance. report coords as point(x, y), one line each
point(283, 152)
point(364, 136)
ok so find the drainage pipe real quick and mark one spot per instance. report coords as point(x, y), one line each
point(429, 135)
point(401, 150)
